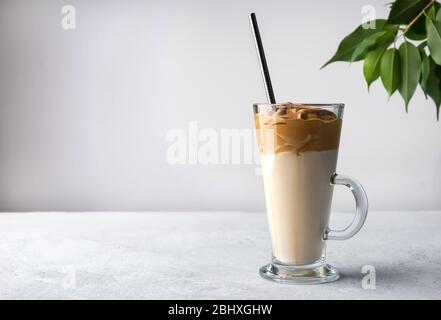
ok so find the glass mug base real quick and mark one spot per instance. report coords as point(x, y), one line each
point(306, 274)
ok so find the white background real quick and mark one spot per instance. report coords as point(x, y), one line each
point(84, 113)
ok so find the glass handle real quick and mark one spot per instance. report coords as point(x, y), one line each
point(361, 202)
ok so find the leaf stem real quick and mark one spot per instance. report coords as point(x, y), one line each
point(423, 12)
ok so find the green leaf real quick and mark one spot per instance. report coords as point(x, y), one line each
point(434, 85)
point(371, 67)
point(362, 49)
point(348, 45)
point(425, 69)
point(410, 70)
point(434, 38)
point(431, 13)
point(404, 11)
point(438, 12)
point(390, 70)
point(388, 37)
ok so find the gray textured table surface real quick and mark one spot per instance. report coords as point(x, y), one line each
point(204, 255)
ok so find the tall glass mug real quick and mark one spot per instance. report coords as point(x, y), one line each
point(298, 145)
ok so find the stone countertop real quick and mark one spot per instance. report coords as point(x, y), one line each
point(205, 255)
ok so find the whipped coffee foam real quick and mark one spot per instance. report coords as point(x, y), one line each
point(297, 129)
point(299, 148)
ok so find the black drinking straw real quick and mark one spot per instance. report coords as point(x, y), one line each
point(262, 60)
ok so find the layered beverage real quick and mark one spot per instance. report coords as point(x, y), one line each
point(298, 146)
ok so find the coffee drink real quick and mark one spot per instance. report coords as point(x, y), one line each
point(298, 147)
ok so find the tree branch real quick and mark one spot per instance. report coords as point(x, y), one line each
point(418, 16)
